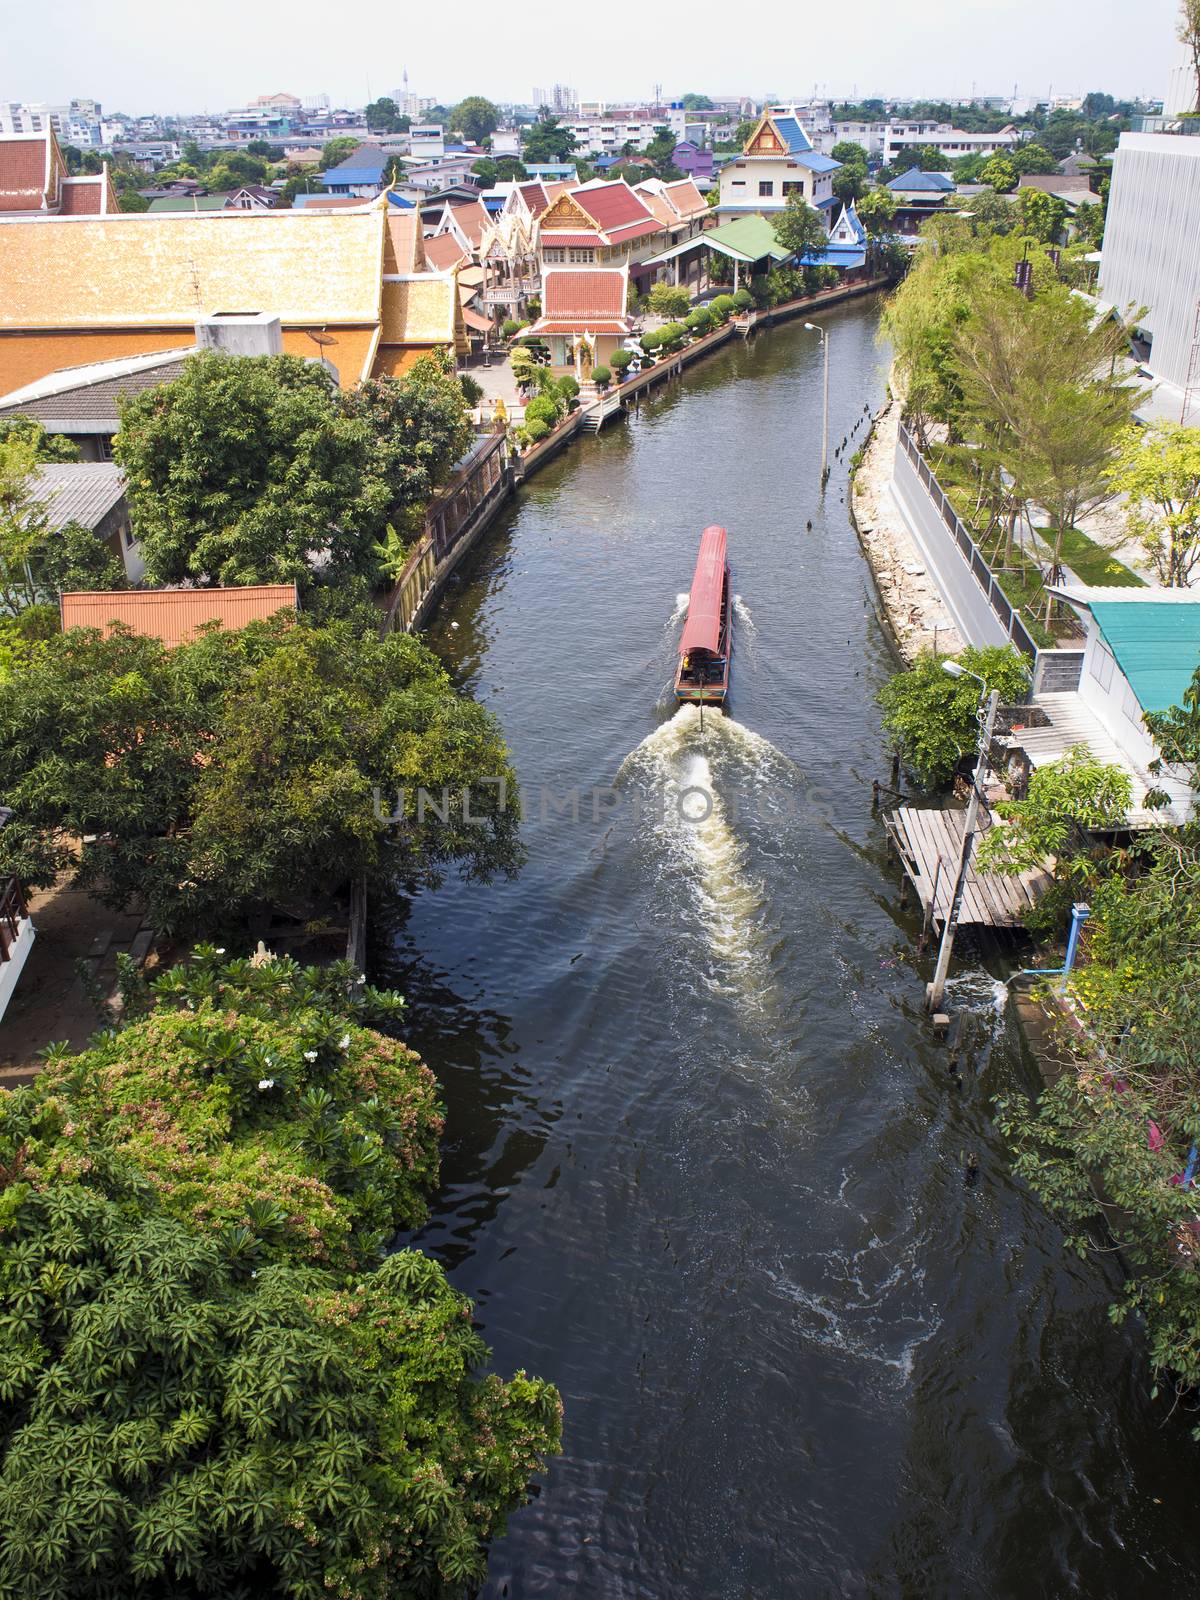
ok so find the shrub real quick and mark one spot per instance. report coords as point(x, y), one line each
point(601, 377)
point(743, 300)
point(472, 393)
point(535, 311)
point(699, 322)
point(669, 300)
point(620, 361)
point(508, 327)
point(723, 307)
point(537, 430)
point(931, 716)
point(652, 341)
point(673, 334)
point(760, 288)
point(568, 387)
point(543, 408)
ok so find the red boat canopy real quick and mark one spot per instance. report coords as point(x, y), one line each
point(702, 630)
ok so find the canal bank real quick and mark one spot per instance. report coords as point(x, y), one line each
point(705, 1167)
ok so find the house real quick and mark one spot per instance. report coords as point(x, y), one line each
point(778, 160)
point(693, 160)
point(583, 319)
point(553, 171)
point(82, 403)
point(34, 181)
point(1141, 648)
point(98, 288)
point(918, 196)
point(1150, 257)
point(361, 173)
point(847, 247)
point(950, 143)
point(1073, 192)
point(90, 494)
point(175, 616)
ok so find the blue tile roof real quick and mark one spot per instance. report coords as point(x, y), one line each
point(836, 255)
point(914, 179)
point(795, 136)
point(815, 161)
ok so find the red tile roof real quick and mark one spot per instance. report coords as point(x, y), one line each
point(82, 197)
point(612, 205)
point(686, 198)
point(175, 615)
point(632, 230)
point(551, 236)
point(23, 174)
point(534, 196)
point(577, 325)
point(582, 294)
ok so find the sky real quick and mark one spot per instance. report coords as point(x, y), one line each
point(214, 56)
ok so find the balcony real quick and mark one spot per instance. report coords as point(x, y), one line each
point(510, 293)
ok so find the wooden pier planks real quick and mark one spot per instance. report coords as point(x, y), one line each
point(922, 838)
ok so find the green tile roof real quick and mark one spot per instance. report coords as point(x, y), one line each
point(750, 238)
point(184, 202)
point(1157, 646)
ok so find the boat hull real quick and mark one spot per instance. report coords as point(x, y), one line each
point(705, 668)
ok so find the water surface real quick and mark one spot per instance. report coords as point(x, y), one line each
point(705, 1165)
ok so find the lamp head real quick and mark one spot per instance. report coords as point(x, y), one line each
point(812, 327)
point(953, 668)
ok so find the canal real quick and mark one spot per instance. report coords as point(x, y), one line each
point(704, 1164)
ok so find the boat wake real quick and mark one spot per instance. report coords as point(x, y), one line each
point(697, 840)
point(681, 609)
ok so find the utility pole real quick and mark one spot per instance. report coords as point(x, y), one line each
point(812, 328)
point(933, 995)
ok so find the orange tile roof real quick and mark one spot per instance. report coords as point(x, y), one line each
point(176, 615)
point(686, 198)
point(26, 357)
point(403, 247)
point(83, 197)
point(472, 218)
point(577, 294)
point(443, 251)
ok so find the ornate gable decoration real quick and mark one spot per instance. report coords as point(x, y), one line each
point(567, 213)
point(766, 140)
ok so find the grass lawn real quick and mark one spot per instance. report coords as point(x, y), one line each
point(1092, 563)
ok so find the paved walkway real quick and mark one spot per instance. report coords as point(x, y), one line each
point(915, 609)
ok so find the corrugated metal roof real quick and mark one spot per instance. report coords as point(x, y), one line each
point(176, 615)
point(77, 491)
point(749, 238)
point(1157, 646)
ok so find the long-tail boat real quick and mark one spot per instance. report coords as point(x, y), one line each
point(706, 645)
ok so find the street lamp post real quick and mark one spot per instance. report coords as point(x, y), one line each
point(933, 995)
point(813, 328)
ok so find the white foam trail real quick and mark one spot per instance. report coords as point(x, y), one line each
point(681, 609)
point(743, 613)
point(693, 827)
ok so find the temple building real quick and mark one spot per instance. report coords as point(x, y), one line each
point(778, 160)
point(348, 287)
point(34, 181)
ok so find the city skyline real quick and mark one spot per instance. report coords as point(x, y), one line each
point(80, 56)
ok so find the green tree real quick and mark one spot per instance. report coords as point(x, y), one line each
point(925, 157)
point(1043, 216)
point(1157, 473)
point(849, 153)
point(383, 116)
point(696, 102)
point(850, 182)
point(247, 470)
point(476, 117)
point(1088, 223)
point(932, 717)
point(36, 560)
point(800, 229)
point(1032, 158)
point(547, 141)
point(876, 211)
point(337, 150)
point(46, 446)
point(1075, 792)
point(191, 1403)
point(999, 174)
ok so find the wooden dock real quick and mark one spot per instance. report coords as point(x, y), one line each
point(928, 844)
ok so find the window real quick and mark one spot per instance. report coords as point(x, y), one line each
point(793, 188)
point(103, 447)
point(1131, 708)
point(766, 187)
point(739, 183)
point(580, 256)
point(1102, 664)
point(550, 254)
